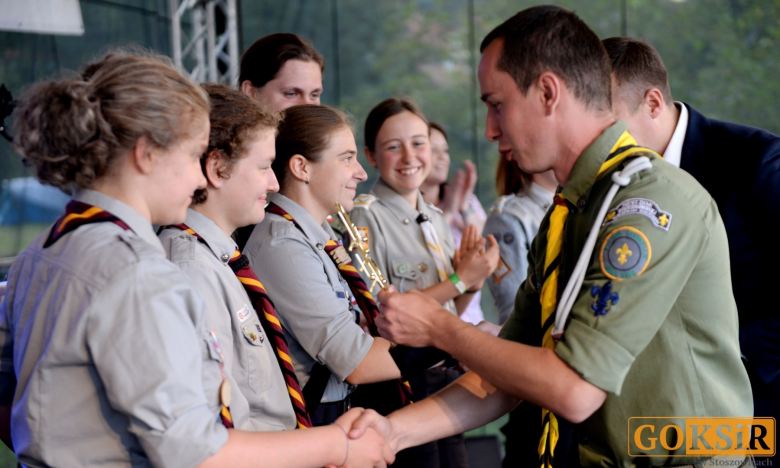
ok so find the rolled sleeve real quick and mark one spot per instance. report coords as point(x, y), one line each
point(602, 346)
point(308, 305)
point(150, 350)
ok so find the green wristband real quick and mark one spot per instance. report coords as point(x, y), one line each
point(459, 285)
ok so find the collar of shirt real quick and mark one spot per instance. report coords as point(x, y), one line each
point(220, 244)
point(140, 225)
point(396, 203)
point(585, 171)
point(673, 151)
point(540, 195)
point(317, 233)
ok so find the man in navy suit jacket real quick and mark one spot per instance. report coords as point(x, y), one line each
point(740, 167)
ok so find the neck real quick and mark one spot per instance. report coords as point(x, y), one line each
point(213, 212)
point(302, 196)
point(123, 190)
point(430, 192)
point(668, 125)
point(546, 180)
point(588, 127)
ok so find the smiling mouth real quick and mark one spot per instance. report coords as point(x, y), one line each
point(410, 171)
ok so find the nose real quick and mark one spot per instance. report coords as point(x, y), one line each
point(407, 153)
point(492, 128)
point(273, 183)
point(360, 173)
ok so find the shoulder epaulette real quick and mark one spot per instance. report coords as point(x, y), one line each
point(364, 201)
point(434, 207)
point(498, 205)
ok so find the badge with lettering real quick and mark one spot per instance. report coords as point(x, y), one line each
point(502, 270)
point(624, 254)
point(642, 207)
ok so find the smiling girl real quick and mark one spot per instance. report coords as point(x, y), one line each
point(412, 243)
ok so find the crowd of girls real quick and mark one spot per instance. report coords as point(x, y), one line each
point(202, 343)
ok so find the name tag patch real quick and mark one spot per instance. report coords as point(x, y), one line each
point(643, 207)
point(243, 314)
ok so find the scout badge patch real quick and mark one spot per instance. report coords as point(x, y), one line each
point(624, 254)
point(643, 207)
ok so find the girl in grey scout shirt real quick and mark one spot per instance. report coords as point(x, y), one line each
point(316, 165)
point(105, 355)
point(514, 221)
point(237, 166)
point(394, 218)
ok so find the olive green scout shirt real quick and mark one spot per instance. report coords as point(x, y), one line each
point(655, 323)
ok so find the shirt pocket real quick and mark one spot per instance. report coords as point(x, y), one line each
point(259, 351)
point(409, 272)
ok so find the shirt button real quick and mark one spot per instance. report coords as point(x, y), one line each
point(406, 221)
point(225, 257)
point(319, 246)
point(581, 203)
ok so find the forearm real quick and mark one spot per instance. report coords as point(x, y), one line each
point(376, 366)
point(462, 302)
point(467, 403)
point(310, 448)
point(442, 291)
point(526, 372)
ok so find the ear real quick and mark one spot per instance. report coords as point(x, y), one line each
point(549, 86)
point(249, 89)
point(653, 103)
point(212, 167)
point(299, 169)
point(141, 155)
point(370, 156)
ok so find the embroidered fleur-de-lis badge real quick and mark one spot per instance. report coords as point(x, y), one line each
point(605, 298)
point(623, 254)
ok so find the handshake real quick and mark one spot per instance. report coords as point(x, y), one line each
point(369, 437)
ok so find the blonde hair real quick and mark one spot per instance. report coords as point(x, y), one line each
point(71, 129)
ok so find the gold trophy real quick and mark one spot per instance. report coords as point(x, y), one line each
point(367, 265)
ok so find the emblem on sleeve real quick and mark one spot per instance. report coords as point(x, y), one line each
point(625, 253)
point(642, 207)
point(605, 298)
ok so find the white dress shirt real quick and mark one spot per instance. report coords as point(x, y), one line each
point(673, 151)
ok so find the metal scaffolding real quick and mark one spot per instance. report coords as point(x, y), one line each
point(210, 51)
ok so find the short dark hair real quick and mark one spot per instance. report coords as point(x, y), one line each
point(637, 68)
point(440, 128)
point(306, 130)
point(383, 111)
point(551, 38)
point(235, 119)
point(263, 59)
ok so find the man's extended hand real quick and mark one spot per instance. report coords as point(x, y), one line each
point(369, 447)
point(411, 318)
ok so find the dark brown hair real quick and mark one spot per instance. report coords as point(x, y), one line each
point(306, 130)
point(637, 67)
point(234, 118)
point(510, 178)
point(72, 129)
point(383, 111)
point(551, 38)
point(263, 59)
point(440, 128)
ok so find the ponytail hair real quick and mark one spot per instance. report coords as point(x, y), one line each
point(71, 130)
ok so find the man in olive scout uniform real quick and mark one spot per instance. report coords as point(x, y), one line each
point(653, 328)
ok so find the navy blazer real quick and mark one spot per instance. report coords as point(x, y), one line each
point(740, 167)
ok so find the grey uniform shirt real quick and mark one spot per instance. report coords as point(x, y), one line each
point(396, 239)
point(514, 221)
point(106, 341)
point(260, 401)
point(313, 301)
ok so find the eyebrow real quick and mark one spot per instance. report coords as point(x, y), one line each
point(347, 152)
